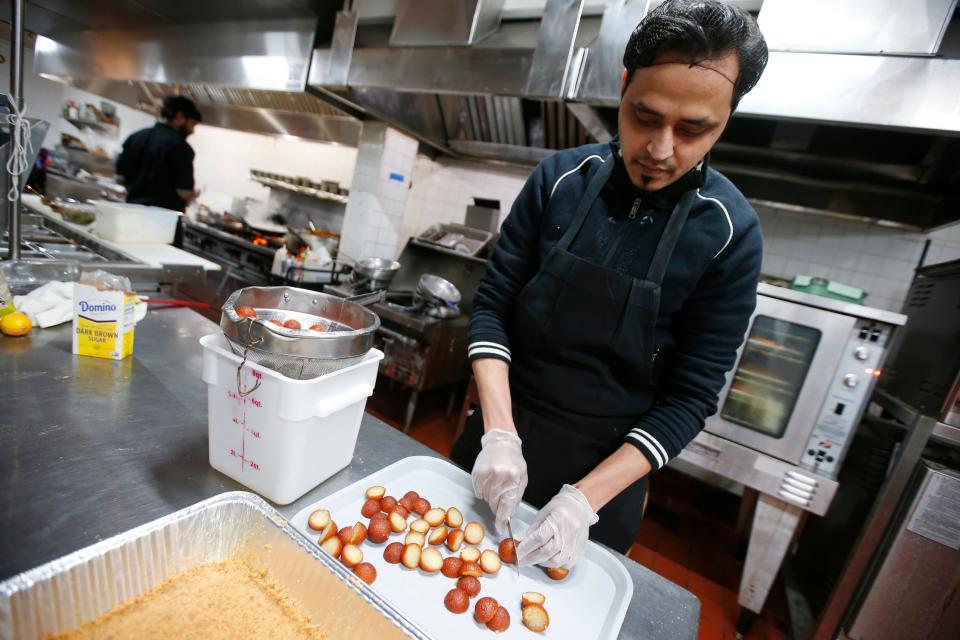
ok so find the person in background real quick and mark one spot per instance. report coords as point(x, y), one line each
point(156, 164)
point(617, 296)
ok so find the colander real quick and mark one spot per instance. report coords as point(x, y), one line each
point(299, 354)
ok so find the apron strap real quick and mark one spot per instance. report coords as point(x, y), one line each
point(668, 241)
point(596, 185)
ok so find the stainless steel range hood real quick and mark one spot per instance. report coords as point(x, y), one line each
point(244, 76)
point(535, 86)
point(470, 79)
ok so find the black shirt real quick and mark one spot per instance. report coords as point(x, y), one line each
point(709, 289)
point(155, 163)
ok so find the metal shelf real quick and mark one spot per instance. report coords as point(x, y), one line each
point(93, 124)
point(903, 412)
point(301, 190)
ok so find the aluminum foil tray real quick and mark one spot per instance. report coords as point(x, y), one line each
point(65, 593)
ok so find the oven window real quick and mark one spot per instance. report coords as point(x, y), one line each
point(770, 374)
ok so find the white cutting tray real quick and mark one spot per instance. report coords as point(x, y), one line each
point(590, 603)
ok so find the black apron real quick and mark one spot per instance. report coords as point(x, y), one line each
point(583, 367)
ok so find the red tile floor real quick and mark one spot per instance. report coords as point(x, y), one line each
point(687, 535)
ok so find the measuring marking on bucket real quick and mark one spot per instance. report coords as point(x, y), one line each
point(289, 435)
point(241, 401)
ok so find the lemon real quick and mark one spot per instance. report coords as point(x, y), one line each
point(15, 324)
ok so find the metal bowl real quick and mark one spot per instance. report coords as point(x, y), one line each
point(300, 354)
point(433, 287)
point(377, 269)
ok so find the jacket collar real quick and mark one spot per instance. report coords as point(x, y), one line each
point(665, 198)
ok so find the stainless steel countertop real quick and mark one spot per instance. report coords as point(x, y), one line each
point(92, 447)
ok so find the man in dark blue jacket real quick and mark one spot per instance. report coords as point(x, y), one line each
point(618, 294)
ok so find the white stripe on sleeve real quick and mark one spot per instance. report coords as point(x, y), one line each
point(490, 351)
point(495, 345)
point(656, 443)
point(649, 444)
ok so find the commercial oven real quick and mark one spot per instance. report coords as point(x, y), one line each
point(785, 418)
point(803, 376)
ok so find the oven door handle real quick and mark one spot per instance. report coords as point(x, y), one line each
point(392, 335)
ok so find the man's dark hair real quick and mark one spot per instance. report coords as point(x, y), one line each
point(172, 105)
point(700, 30)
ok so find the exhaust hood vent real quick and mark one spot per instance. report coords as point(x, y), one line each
point(244, 76)
point(444, 22)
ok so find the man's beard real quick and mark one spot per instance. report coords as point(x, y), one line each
point(182, 130)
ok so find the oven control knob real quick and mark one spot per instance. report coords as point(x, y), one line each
point(861, 353)
point(850, 380)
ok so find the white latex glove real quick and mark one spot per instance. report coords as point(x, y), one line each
point(558, 534)
point(500, 474)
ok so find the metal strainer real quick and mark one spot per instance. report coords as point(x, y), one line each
point(299, 354)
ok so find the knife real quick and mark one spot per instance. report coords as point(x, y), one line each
point(510, 531)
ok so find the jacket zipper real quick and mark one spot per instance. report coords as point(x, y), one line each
point(611, 254)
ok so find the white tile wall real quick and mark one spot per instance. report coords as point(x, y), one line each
point(876, 259)
point(378, 194)
point(224, 159)
point(441, 190)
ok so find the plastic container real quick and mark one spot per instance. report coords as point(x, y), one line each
point(285, 436)
point(828, 289)
point(136, 223)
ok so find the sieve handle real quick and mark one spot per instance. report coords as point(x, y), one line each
point(337, 402)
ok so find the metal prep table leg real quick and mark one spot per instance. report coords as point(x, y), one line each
point(774, 524)
point(411, 407)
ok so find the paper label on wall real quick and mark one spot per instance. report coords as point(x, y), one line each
point(937, 515)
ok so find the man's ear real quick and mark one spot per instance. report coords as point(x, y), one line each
point(623, 83)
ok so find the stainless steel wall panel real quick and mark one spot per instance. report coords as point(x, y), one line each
point(883, 91)
point(337, 67)
point(476, 130)
point(500, 152)
point(554, 52)
point(516, 115)
point(503, 106)
point(265, 55)
point(469, 71)
point(914, 27)
point(604, 62)
point(499, 117)
point(416, 113)
point(591, 121)
point(444, 22)
point(338, 130)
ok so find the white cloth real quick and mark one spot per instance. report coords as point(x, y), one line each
point(500, 474)
point(47, 305)
point(558, 535)
point(52, 304)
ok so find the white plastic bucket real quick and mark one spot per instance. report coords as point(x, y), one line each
point(287, 436)
point(137, 223)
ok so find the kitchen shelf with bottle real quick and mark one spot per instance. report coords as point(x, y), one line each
point(106, 127)
point(296, 185)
